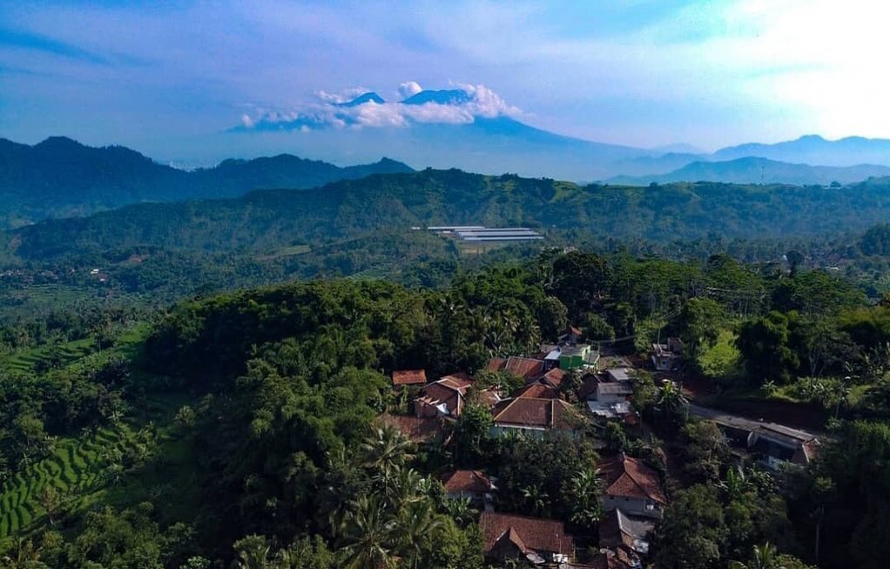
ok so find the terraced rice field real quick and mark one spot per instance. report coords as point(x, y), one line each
point(74, 470)
point(26, 361)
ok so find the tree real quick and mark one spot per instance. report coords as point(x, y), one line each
point(705, 450)
point(764, 345)
point(185, 419)
point(699, 325)
point(386, 450)
point(252, 552)
point(23, 555)
point(671, 401)
point(51, 502)
point(693, 531)
point(369, 536)
point(584, 491)
point(764, 557)
point(417, 526)
point(471, 435)
point(597, 328)
point(581, 281)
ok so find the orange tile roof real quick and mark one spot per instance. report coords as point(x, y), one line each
point(467, 481)
point(528, 534)
point(415, 428)
point(409, 377)
point(538, 391)
point(532, 412)
point(628, 477)
point(526, 368)
point(496, 364)
point(554, 377)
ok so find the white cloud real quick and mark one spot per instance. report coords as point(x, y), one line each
point(330, 111)
point(409, 88)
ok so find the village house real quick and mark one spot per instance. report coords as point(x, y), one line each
point(535, 417)
point(472, 485)
point(667, 357)
point(608, 559)
point(570, 336)
point(507, 537)
point(408, 377)
point(529, 369)
point(631, 485)
point(446, 397)
point(608, 393)
point(773, 444)
point(619, 531)
point(538, 390)
point(416, 429)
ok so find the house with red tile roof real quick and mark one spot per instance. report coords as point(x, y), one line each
point(472, 485)
point(496, 364)
point(610, 560)
point(416, 429)
point(446, 397)
point(554, 377)
point(529, 369)
point(409, 377)
point(538, 390)
point(535, 417)
point(506, 537)
point(632, 485)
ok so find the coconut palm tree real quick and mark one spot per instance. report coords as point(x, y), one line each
point(764, 557)
point(369, 536)
point(417, 526)
point(385, 450)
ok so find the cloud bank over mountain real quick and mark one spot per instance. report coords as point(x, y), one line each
point(360, 108)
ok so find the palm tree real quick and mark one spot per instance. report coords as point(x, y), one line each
point(404, 486)
point(764, 557)
point(385, 450)
point(671, 399)
point(417, 526)
point(24, 555)
point(369, 535)
point(253, 553)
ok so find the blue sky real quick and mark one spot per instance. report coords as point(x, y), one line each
point(160, 76)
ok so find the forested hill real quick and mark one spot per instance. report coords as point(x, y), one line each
point(346, 209)
point(60, 177)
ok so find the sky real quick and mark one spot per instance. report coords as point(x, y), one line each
point(167, 76)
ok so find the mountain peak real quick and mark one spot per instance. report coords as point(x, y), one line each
point(59, 142)
point(369, 97)
point(444, 97)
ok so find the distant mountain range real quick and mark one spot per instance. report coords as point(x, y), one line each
point(759, 171)
point(458, 128)
point(60, 177)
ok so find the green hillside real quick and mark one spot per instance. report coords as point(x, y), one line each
point(269, 220)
